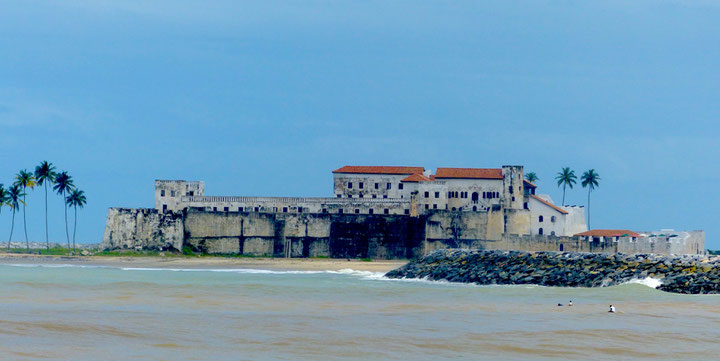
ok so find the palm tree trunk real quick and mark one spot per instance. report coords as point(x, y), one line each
point(12, 228)
point(74, 228)
point(67, 233)
point(27, 241)
point(563, 202)
point(47, 236)
point(589, 208)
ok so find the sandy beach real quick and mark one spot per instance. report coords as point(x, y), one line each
point(295, 264)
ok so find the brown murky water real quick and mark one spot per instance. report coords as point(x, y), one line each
point(76, 313)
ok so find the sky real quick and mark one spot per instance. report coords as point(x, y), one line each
point(266, 98)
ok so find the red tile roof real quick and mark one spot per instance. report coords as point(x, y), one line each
point(549, 204)
point(529, 184)
point(379, 170)
point(471, 173)
point(609, 233)
point(417, 177)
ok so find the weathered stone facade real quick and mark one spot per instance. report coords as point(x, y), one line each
point(358, 235)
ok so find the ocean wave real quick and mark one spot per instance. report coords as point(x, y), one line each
point(648, 281)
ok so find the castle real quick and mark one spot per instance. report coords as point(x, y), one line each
point(410, 191)
point(379, 212)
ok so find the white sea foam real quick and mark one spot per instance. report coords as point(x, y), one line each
point(648, 281)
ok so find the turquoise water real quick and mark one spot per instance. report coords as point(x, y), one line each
point(93, 313)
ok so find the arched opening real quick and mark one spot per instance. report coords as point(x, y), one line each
point(540, 231)
point(475, 197)
point(561, 247)
point(474, 208)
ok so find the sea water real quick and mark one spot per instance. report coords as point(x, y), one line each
point(72, 312)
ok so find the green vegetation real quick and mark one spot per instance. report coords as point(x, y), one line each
point(188, 251)
point(713, 252)
point(25, 180)
point(590, 181)
point(531, 177)
point(64, 184)
point(566, 178)
point(366, 259)
point(44, 175)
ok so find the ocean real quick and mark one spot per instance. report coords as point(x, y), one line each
point(72, 312)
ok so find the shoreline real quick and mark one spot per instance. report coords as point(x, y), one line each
point(264, 263)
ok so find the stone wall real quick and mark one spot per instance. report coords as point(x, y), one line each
point(359, 235)
point(142, 228)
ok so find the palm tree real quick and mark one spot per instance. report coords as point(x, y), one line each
point(14, 193)
point(45, 173)
point(25, 180)
point(76, 199)
point(566, 178)
point(531, 177)
point(64, 184)
point(4, 198)
point(590, 180)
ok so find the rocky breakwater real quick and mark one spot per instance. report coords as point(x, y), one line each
point(680, 274)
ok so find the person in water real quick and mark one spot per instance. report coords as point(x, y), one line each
point(570, 303)
point(612, 309)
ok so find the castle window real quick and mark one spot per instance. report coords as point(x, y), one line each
point(191, 193)
point(164, 207)
point(339, 195)
point(384, 195)
point(513, 199)
point(360, 195)
point(540, 231)
point(374, 195)
point(172, 193)
point(525, 205)
point(349, 185)
point(274, 209)
point(474, 208)
point(427, 206)
point(386, 211)
point(511, 189)
point(257, 209)
point(377, 185)
point(357, 211)
point(349, 195)
point(427, 194)
point(371, 211)
point(162, 193)
point(453, 208)
point(400, 186)
point(389, 186)
point(437, 194)
point(240, 209)
point(434, 206)
point(361, 185)
point(552, 219)
point(284, 209)
point(540, 219)
point(214, 209)
point(226, 209)
point(340, 211)
point(552, 234)
point(407, 211)
point(324, 210)
point(299, 209)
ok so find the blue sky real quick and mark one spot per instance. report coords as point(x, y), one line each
point(268, 97)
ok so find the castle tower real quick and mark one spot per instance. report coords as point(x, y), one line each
point(512, 186)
